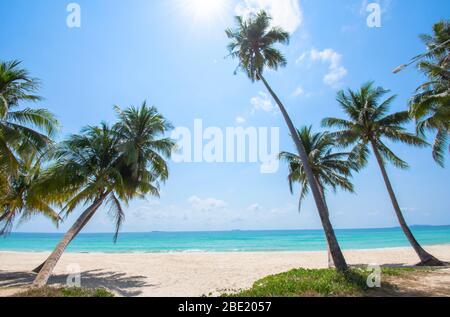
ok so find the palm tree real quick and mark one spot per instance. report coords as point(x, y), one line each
point(25, 135)
point(25, 130)
point(368, 124)
point(111, 165)
point(331, 169)
point(430, 106)
point(252, 43)
point(19, 196)
point(437, 44)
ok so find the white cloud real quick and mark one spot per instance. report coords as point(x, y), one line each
point(254, 208)
point(285, 13)
point(240, 120)
point(207, 204)
point(336, 71)
point(298, 91)
point(301, 58)
point(262, 102)
point(149, 212)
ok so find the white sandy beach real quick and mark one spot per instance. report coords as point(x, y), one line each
point(187, 274)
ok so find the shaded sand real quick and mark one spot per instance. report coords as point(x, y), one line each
point(189, 274)
point(421, 283)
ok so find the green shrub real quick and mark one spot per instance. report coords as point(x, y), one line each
point(64, 292)
point(314, 283)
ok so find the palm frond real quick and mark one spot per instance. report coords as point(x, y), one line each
point(330, 168)
point(252, 43)
point(390, 156)
point(118, 214)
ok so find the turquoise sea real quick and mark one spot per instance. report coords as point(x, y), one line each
point(238, 241)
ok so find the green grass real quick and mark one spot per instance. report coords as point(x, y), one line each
point(315, 283)
point(65, 292)
point(398, 272)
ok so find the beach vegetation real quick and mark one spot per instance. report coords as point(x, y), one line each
point(64, 292)
point(319, 283)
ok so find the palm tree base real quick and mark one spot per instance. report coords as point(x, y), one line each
point(432, 261)
point(38, 269)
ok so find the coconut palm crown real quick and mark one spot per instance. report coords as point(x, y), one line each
point(23, 130)
point(252, 43)
point(20, 197)
point(430, 106)
point(331, 169)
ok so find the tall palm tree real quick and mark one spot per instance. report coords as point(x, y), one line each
point(331, 169)
point(430, 106)
point(369, 122)
point(22, 130)
point(19, 197)
point(253, 44)
point(111, 165)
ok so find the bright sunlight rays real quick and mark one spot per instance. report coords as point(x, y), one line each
point(206, 10)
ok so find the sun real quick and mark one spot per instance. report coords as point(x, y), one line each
point(205, 9)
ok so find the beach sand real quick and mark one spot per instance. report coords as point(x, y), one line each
point(186, 274)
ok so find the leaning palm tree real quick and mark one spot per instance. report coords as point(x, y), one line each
point(430, 106)
point(368, 124)
point(18, 195)
point(331, 169)
point(25, 129)
point(108, 165)
point(253, 44)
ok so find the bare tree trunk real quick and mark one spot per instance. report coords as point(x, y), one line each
point(45, 273)
point(336, 252)
point(426, 259)
point(39, 268)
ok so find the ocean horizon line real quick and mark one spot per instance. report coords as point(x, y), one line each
point(232, 230)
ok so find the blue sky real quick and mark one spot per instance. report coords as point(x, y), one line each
point(171, 53)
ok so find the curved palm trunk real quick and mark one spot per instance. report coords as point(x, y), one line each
point(336, 252)
point(39, 268)
point(425, 257)
point(330, 257)
point(46, 271)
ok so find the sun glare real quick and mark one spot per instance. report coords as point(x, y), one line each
point(205, 9)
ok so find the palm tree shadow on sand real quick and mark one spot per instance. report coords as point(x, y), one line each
point(118, 283)
point(414, 284)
